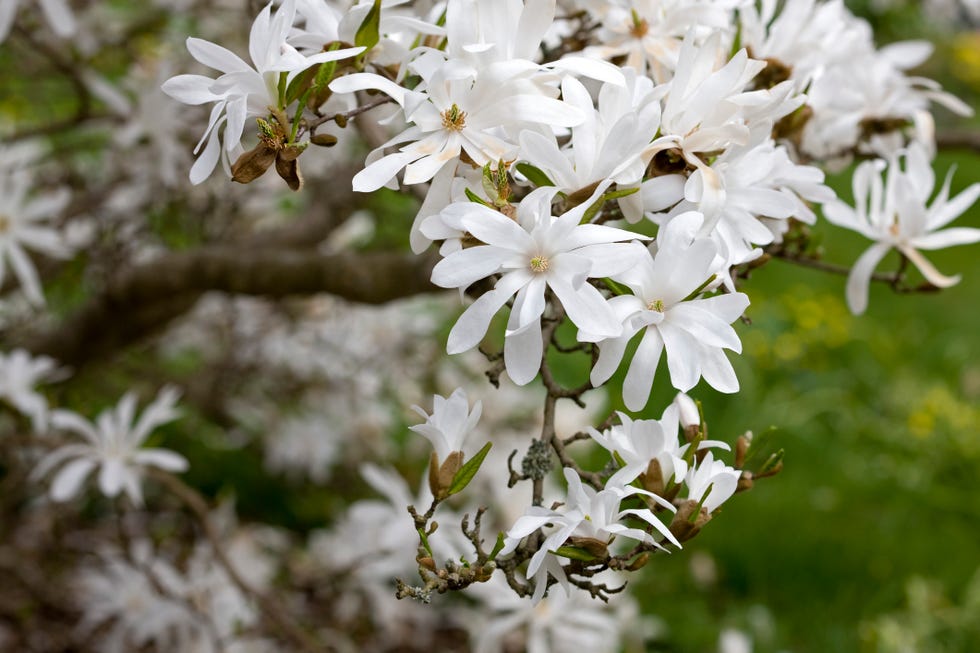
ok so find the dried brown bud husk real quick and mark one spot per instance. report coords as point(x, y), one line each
point(682, 527)
point(441, 475)
point(289, 171)
point(596, 548)
point(745, 482)
point(292, 152)
point(252, 164)
point(653, 479)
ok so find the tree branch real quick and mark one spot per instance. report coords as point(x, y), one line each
point(143, 299)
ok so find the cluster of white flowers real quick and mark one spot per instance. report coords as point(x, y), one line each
point(597, 176)
point(697, 121)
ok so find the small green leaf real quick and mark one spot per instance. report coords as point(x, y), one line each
point(574, 553)
point(369, 33)
point(605, 197)
point(476, 198)
point(468, 470)
point(616, 288)
point(771, 463)
point(760, 449)
point(498, 547)
point(425, 542)
point(534, 175)
point(300, 84)
point(697, 291)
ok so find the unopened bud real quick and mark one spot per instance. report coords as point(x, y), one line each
point(427, 563)
point(745, 482)
point(742, 445)
point(640, 562)
point(324, 140)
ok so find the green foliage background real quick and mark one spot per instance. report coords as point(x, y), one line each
point(869, 540)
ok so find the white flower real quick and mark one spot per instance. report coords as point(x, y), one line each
point(649, 32)
point(19, 374)
point(57, 12)
point(694, 332)
point(244, 90)
point(20, 228)
point(638, 443)
point(111, 445)
point(535, 253)
point(450, 422)
point(607, 144)
point(587, 514)
point(136, 593)
point(711, 482)
point(894, 213)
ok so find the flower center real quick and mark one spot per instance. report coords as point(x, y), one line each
point(453, 119)
point(540, 264)
point(640, 26)
point(656, 305)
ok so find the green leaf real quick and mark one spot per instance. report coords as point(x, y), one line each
point(534, 175)
point(476, 198)
point(697, 291)
point(425, 542)
point(772, 462)
point(605, 197)
point(760, 449)
point(300, 84)
point(468, 470)
point(616, 288)
point(369, 33)
point(498, 546)
point(574, 553)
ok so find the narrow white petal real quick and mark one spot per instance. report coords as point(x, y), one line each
point(860, 277)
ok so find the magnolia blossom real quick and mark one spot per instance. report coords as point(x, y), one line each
point(111, 446)
point(694, 331)
point(711, 483)
point(19, 374)
point(590, 515)
point(639, 443)
point(535, 253)
point(450, 422)
point(895, 214)
point(244, 90)
point(20, 227)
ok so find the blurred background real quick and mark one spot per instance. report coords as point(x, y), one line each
point(869, 540)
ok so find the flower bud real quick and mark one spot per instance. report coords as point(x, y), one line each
point(688, 521)
point(442, 473)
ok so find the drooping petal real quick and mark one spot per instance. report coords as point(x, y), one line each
point(860, 277)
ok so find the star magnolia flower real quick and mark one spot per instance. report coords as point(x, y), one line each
point(19, 373)
point(587, 514)
point(712, 482)
point(638, 443)
point(535, 253)
point(450, 422)
point(19, 227)
point(111, 445)
point(895, 215)
point(694, 333)
point(243, 90)
point(57, 12)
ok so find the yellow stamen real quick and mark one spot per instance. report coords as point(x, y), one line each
point(539, 264)
point(453, 119)
point(656, 305)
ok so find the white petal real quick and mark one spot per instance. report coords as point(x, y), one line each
point(860, 277)
point(643, 367)
point(522, 353)
point(68, 481)
point(466, 266)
